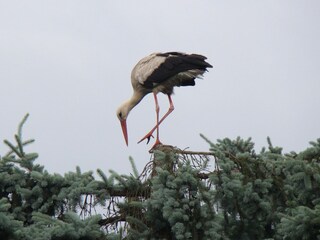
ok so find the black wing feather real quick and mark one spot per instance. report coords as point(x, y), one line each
point(176, 63)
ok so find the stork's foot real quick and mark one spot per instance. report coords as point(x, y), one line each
point(155, 145)
point(148, 137)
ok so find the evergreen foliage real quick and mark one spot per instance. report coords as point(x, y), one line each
point(37, 205)
point(267, 195)
point(179, 195)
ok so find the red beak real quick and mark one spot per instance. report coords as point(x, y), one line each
point(124, 130)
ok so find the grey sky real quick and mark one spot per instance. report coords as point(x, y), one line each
point(68, 64)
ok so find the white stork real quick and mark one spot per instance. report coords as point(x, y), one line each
point(161, 72)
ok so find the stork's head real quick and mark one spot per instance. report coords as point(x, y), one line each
point(124, 110)
point(122, 114)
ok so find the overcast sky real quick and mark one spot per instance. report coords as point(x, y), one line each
point(68, 64)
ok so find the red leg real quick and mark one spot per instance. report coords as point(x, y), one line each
point(171, 108)
point(157, 125)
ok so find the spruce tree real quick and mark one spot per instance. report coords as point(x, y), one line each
point(230, 192)
point(37, 205)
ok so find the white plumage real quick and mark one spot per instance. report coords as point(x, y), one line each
point(144, 68)
point(161, 72)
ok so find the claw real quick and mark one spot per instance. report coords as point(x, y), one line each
point(148, 137)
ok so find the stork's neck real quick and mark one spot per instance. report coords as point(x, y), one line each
point(133, 101)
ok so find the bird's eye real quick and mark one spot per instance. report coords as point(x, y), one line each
point(120, 115)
